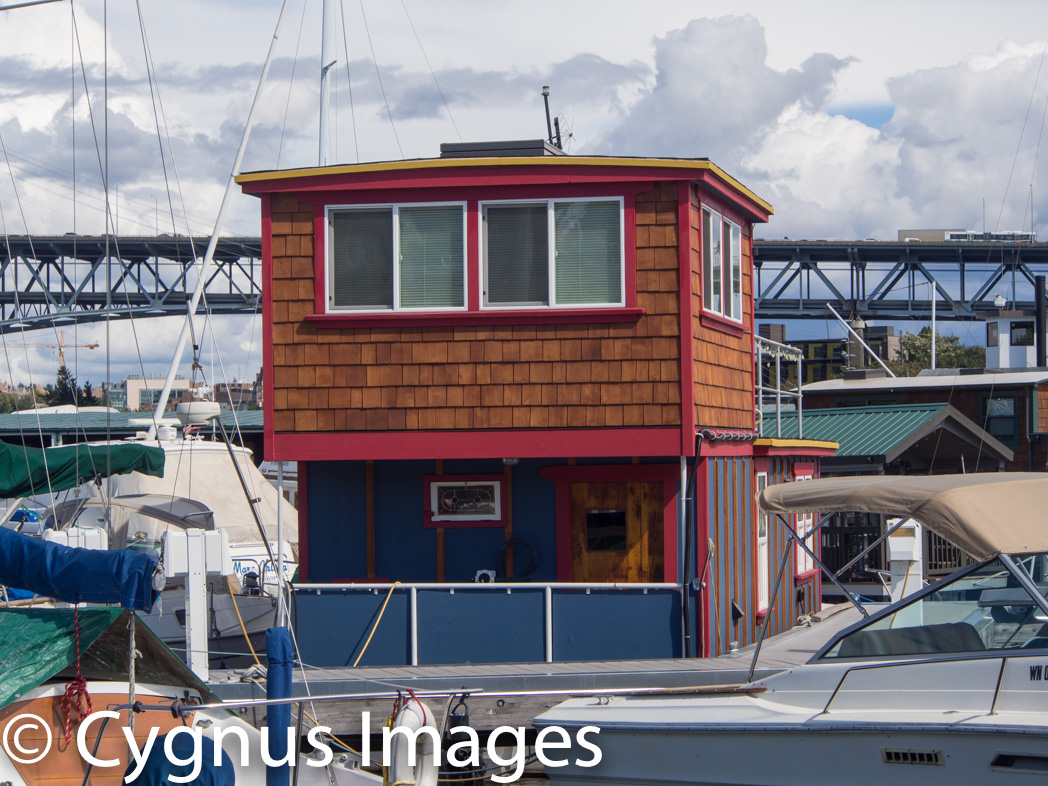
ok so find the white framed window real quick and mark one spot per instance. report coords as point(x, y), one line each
point(721, 265)
point(396, 257)
point(803, 525)
point(555, 252)
point(763, 556)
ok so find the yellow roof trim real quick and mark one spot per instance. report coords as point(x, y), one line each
point(454, 163)
point(796, 443)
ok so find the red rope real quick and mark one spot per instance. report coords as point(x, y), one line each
point(76, 698)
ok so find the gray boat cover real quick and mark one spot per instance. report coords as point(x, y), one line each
point(984, 514)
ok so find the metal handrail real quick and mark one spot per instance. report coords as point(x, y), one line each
point(954, 656)
point(506, 586)
point(439, 585)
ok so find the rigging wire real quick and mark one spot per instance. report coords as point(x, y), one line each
point(10, 366)
point(378, 74)
point(291, 84)
point(1022, 132)
point(349, 81)
point(431, 72)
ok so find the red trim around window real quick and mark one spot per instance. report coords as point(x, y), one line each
point(723, 324)
point(474, 314)
point(803, 472)
point(564, 476)
point(536, 316)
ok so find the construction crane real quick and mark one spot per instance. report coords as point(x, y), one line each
point(61, 346)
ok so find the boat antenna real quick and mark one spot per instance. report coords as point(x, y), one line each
point(549, 128)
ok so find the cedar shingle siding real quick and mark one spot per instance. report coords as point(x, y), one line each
point(502, 377)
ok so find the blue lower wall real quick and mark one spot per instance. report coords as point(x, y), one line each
point(486, 626)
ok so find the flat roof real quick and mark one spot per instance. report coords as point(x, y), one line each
point(996, 379)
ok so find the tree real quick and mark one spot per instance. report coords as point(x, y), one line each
point(67, 391)
point(916, 351)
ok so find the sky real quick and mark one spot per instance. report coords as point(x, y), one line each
point(853, 119)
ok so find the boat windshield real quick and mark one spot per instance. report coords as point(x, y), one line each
point(983, 610)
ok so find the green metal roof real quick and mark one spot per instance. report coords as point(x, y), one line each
point(881, 430)
point(96, 424)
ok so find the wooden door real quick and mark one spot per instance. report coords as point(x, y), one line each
point(616, 532)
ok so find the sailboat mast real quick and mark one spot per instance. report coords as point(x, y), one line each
point(328, 60)
point(204, 265)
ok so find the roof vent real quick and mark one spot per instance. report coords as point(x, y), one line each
point(511, 149)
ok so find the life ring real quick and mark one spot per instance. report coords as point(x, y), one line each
point(413, 716)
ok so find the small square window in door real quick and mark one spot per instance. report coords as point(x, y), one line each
point(606, 530)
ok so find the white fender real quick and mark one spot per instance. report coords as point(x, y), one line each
point(413, 716)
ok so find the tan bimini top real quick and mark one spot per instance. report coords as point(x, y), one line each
point(984, 514)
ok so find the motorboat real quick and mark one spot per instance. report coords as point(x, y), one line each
point(946, 686)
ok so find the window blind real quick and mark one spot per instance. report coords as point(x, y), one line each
point(362, 258)
point(588, 253)
point(431, 257)
point(517, 247)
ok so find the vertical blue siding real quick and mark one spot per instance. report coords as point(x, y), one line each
point(404, 549)
point(337, 520)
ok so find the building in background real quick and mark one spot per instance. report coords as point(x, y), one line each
point(829, 358)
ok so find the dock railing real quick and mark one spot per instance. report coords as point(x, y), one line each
point(431, 623)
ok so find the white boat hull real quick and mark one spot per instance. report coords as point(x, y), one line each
point(804, 757)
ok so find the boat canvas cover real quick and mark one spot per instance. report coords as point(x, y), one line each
point(26, 471)
point(984, 514)
point(76, 575)
point(39, 644)
point(203, 471)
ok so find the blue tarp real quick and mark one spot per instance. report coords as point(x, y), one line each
point(77, 575)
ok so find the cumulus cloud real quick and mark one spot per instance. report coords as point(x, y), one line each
point(952, 139)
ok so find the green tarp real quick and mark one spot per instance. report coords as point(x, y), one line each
point(26, 471)
point(37, 645)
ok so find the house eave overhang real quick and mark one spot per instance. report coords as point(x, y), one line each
point(793, 447)
point(471, 171)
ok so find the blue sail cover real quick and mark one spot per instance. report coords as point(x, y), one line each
point(278, 717)
point(77, 575)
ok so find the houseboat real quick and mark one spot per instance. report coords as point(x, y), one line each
point(519, 388)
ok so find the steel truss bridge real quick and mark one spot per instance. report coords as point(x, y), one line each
point(77, 278)
point(70, 278)
point(893, 281)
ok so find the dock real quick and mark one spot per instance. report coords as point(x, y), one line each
point(513, 694)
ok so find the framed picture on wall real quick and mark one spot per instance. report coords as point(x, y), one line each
point(465, 500)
